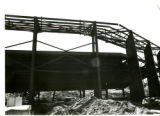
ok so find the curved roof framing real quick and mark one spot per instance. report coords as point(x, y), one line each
point(114, 33)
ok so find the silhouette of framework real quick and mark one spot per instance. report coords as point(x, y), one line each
point(113, 33)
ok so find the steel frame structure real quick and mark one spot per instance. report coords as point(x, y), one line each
point(113, 33)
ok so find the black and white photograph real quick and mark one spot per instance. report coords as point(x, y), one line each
point(80, 57)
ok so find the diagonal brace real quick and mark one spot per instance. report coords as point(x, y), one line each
point(60, 57)
point(18, 44)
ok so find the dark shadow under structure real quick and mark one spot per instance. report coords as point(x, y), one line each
point(113, 33)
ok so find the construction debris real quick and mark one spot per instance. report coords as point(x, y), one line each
point(94, 106)
point(152, 102)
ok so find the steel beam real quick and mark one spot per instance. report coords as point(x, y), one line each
point(96, 63)
point(153, 82)
point(33, 60)
point(18, 44)
point(136, 87)
point(116, 32)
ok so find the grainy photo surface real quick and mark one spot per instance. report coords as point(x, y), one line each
point(91, 60)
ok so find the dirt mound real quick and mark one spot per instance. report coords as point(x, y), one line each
point(94, 106)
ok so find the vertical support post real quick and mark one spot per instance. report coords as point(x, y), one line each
point(38, 96)
point(136, 87)
point(123, 93)
point(96, 63)
point(107, 93)
point(84, 93)
point(158, 61)
point(33, 59)
point(54, 93)
point(80, 93)
point(153, 82)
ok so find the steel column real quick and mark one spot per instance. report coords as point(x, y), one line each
point(123, 93)
point(106, 93)
point(38, 96)
point(54, 93)
point(153, 82)
point(33, 60)
point(136, 87)
point(158, 60)
point(80, 93)
point(84, 93)
point(96, 62)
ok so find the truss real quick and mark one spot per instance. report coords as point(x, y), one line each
point(109, 32)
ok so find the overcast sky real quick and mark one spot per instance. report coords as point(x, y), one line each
point(142, 16)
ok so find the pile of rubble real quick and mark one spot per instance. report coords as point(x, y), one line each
point(69, 103)
point(94, 106)
point(152, 102)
